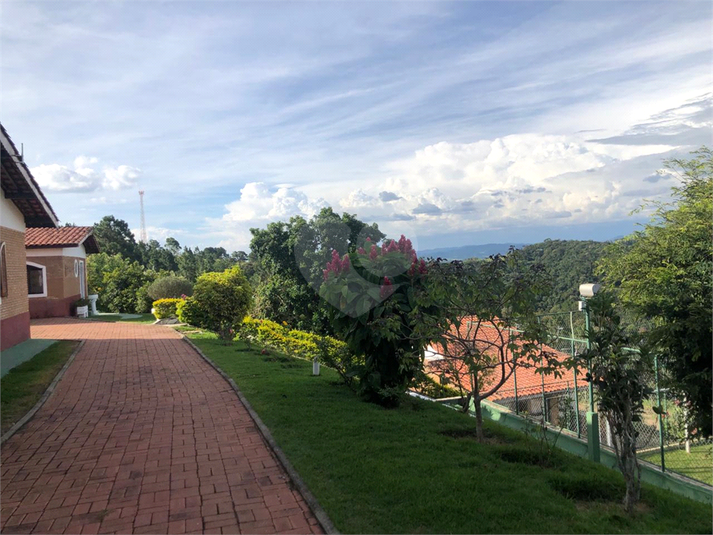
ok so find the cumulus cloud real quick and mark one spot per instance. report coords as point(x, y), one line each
point(158, 233)
point(85, 175)
point(388, 196)
point(260, 202)
point(518, 180)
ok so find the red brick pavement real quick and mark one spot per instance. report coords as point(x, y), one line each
point(142, 436)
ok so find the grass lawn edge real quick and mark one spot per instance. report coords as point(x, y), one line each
point(48, 392)
point(319, 512)
point(605, 513)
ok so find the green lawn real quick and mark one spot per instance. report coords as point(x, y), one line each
point(416, 469)
point(697, 465)
point(24, 385)
point(145, 318)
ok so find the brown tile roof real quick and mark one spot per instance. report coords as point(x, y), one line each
point(40, 237)
point(529, 380)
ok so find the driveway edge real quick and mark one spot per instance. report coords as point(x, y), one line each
point(50, 390)
point(319, 513)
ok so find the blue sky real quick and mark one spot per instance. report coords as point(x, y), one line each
point(453, 123)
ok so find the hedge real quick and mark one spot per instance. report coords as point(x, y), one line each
point(166, 308)
point(329, 351)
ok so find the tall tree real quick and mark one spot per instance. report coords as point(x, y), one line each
point(620, 377)
point(114, 236)
point(288, 260)
point(663, 272)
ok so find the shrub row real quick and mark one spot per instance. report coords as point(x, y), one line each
point(329, 351)
point(166, 308)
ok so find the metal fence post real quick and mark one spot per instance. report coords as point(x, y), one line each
point(544, 399)
point(574, 371)
point(592, 417)
point(660, 415)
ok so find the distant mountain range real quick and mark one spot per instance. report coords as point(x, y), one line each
point(469, 251)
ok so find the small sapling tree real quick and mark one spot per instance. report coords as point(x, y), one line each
point(619, 375)
point(484, 324)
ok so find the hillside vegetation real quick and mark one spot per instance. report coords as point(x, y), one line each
point(568, 264)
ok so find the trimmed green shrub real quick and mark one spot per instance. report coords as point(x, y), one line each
point(166, 308)
point(171, 287)
point(188, 311)
point(219, 303)
point(329, 351)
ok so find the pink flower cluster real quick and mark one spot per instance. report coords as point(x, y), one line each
point(403, 246)
point(337, 265)
point(418, 267)
point(386, 289)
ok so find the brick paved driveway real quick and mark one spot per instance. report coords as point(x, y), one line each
point(142, 436)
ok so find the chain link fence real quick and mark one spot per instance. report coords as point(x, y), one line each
point(564, 401)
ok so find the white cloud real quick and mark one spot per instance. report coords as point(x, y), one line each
point(84, 176)
point(158, 233)
point(122, 177)
point(260, 202)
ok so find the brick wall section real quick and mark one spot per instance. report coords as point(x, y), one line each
point(16, 301)
point(61, 281)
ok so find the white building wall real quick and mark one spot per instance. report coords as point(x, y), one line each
point(10, 216)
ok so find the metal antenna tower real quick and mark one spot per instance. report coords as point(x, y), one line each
point(144, 238)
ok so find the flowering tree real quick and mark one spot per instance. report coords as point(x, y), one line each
point(375, 294)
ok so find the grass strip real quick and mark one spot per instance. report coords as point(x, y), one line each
point(697, 465)
point(417, 469)
point(25, 384)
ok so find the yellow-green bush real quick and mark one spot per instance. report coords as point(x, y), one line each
point(166, 308)
point(329, 351)
point(219, 302)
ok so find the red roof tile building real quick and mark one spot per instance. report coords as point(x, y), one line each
point(535, 391)
point(56, 268)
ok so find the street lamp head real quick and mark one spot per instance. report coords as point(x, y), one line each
point(588, 290)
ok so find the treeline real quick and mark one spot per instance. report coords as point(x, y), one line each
point(122, 273)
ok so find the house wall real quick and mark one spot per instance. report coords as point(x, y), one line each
point(14, 308)
point(63, 286)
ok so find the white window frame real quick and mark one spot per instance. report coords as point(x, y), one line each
point(44, 280)
point(76, 269)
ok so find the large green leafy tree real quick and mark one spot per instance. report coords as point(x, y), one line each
point(114, 236)
point(288, 259)
point(663, 273)
point(155, 257)
point(122, 284)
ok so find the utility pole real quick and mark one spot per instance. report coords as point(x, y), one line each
point(143, 238)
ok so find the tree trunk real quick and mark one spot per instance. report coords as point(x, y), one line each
point(478, 410)
point(478, 420)
point(624, 443)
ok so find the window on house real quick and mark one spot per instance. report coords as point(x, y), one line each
point(36, 280)
point(3, 271)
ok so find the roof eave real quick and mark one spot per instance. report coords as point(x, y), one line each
point(51, 219)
